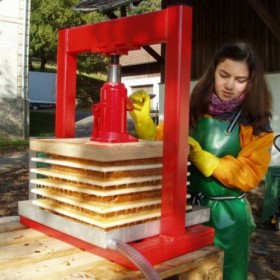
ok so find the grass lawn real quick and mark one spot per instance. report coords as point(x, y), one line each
point(42, 123)
point(11, 144)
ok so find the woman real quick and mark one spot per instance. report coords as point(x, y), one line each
point(230, 144)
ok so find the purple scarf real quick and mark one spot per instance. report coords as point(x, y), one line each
point(217, 106)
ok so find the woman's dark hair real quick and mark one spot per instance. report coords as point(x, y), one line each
point(257, 105)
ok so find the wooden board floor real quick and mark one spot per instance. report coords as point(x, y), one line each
point(28, 254)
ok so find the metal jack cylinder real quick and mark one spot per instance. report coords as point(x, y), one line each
point(110, 115)
point(114, 75)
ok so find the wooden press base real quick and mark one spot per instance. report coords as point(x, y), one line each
point(155, 249)
point(77, 171)
point(29, 254)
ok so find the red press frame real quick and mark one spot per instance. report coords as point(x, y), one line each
point(172, 26)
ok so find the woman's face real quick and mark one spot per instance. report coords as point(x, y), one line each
point(231, 79)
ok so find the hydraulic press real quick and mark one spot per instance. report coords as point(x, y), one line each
point(167, 234)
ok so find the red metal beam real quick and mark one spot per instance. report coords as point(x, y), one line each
point(176, 114)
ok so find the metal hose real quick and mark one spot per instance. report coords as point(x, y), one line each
point(135, 257)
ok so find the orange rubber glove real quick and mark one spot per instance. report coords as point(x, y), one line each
point(144, 125)
point(204, 161)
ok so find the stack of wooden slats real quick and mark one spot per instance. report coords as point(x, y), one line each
point(102, 194)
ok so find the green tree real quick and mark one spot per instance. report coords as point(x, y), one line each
point(47, 17)
point(145, 7)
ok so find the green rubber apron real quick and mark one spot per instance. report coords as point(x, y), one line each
point(230, 212)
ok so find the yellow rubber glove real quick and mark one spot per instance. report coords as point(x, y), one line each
point(144, 125)
point(204, 161)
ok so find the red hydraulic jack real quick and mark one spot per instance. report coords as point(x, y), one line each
point(172, 26)
point(110, 114)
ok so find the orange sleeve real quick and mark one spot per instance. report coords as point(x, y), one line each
point(248, 169)
point(159, 131)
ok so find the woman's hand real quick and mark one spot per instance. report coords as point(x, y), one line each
point(204, 161)
point(141, 105)
point(144, 125)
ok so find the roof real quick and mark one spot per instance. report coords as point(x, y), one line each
point(140, 56)
point(102, 5)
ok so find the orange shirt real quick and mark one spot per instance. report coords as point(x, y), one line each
point(249, 167)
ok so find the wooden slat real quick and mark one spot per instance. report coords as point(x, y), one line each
point(91, 190)
point(94, 206)
point(75, 164)
point(100, 222)
point(86, 149)
point(89, 180)
point(97, 220)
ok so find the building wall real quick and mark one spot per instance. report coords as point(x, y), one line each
point(216, 22)
point(150, 83)
point(14, 41)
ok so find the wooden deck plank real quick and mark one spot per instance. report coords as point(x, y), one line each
point(14, 255)
point(26, 254)
point(54, 267)
point(9, 224)
point(22, 235)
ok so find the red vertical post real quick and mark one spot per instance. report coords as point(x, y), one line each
point(176, 120)
point(66, 88)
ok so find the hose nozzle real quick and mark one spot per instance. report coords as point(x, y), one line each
point(135, 257)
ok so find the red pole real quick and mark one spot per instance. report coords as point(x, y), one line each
point(176, 120)
point(66, 88)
